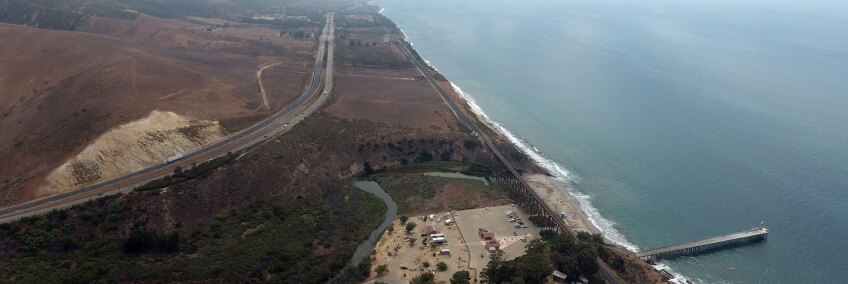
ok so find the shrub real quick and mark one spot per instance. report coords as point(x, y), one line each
point(139, 241)
point(145, 240)
point(368, 169)
point(469, 145)
point(461, 277)
point(424, 156)
point(382, 269)
point(441, 266)
point(426, 278)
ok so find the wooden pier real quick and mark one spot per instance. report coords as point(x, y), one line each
point(711, 244)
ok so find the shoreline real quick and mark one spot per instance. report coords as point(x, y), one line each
point(558, 177)
point(555, 184)
point(554, 192)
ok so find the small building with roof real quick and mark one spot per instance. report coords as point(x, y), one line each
point(559, 277)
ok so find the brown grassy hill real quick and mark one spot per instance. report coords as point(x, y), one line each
point(60, 90)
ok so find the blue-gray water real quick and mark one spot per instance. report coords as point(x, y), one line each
point(367, 247)
point(681, 119)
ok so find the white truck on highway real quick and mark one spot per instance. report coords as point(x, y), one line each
point(173, 159)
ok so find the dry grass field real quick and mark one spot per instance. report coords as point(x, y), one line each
point(393, 101)
point(60, 90)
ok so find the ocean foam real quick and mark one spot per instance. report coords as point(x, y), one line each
point(606, 226)
point(678, 278)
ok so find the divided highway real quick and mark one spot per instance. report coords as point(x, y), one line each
point(276, 124)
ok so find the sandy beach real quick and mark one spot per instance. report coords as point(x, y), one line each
point(554, 193)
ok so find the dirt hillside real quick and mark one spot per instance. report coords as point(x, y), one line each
point(61, 90)
point(132, 147)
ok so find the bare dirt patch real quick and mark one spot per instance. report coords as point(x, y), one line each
point(286, 82)
point(132, 147)
point(402, 102)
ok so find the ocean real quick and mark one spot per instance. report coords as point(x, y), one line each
point(677, 119)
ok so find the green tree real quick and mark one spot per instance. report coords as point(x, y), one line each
point(441, 266)
point(403, 219)
point(469, 145)
point(461, 277)
point(534, 267)
point(584, 236)
point(368, 169)
point(410, 226)
point(139, 241)
point(171, 243)
point(382, 269)
point(529, 268)
point(426, 278)
point(424, 156)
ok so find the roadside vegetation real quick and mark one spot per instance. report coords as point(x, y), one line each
point(416, 193)
point(441, 166)
point(562, 252)
point(108, 240)
point(196, 171)
point(283, 212)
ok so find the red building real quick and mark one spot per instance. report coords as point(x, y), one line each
point(488, 235)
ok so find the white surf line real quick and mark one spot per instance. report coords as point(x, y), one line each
point(262, 86)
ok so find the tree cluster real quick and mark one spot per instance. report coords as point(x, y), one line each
point(144, 240)
point(357, 43)
point(561, 252)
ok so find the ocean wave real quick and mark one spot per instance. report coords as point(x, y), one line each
point(678, 278)
point(606, 226)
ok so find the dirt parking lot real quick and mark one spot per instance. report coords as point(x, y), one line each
point(405, 261)
point(463, 241)
point(494, 219)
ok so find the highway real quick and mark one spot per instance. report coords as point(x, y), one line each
point(272, 126)
point(609, 275)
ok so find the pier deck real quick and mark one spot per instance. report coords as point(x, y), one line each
point(753, 235)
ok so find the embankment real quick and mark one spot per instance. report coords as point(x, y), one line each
point(131, 147)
